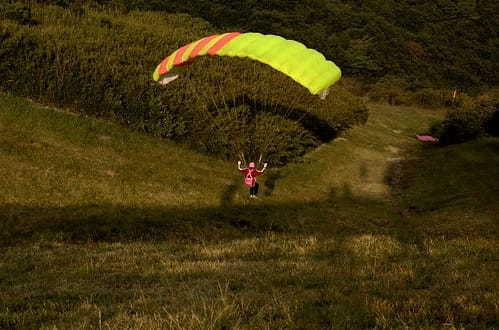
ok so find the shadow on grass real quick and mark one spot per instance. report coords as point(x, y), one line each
point(450, 191)
point(229, 193)
point(429, 178)
point(271, 181)
point(109, 222)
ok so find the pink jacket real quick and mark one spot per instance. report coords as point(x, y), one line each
point(250, 175)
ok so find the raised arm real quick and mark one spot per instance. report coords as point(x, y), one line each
point(264, 168)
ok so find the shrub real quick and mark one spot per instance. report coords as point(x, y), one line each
point(470, 121)
point(390, 89)
point(490, 100)
point(459, 126)
point(434, 98)
point(395, 91)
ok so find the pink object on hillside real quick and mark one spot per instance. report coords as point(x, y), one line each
point(426, 138)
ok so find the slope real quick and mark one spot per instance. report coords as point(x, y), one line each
point(104, 227)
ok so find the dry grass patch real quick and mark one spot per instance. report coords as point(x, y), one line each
point(373, 246)
point(270, 244)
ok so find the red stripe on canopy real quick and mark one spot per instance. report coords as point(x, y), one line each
point(201, 44)
point(162, 67)
point(222, 42)
point(178, 58)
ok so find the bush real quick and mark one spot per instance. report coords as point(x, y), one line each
point(460, 126)
point(390, 89)
point(435, 98)
point(490, 100)
point(470, 121)
point(395, 91)
point(277, 139)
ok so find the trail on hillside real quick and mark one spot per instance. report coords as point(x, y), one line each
point(363, 162)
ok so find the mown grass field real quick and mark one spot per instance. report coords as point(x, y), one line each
point(101, 227)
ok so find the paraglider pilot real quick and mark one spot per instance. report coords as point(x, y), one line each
point(250, 173)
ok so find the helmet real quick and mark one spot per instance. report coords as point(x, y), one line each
point(251, 165)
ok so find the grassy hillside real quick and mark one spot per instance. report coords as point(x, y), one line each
point(103, 227)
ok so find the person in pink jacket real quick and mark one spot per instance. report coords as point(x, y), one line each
point(250, 173)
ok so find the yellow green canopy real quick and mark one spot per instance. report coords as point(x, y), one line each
point(306, 66)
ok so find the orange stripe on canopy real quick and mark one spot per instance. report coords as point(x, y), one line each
point(178, 58)
point(201, 44)
point(222, 42)
point(162, 67)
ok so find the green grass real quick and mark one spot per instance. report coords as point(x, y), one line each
point(101, 227)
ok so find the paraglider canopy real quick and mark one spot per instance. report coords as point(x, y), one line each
point(306, 66)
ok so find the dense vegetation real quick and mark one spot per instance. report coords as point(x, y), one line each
point(99, 62)
point(472, 119)
point(444, 43)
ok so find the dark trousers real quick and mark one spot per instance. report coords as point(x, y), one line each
point(254, 189)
